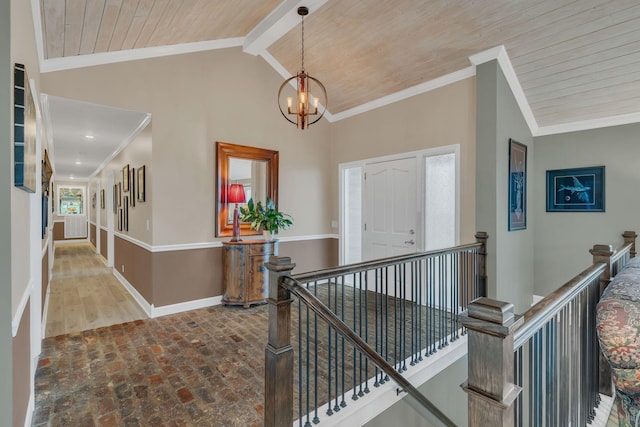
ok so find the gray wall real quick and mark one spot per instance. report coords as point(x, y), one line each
point(6, 363)
point(510, 253)
point(563, 239)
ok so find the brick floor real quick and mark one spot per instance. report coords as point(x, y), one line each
point(199, 368)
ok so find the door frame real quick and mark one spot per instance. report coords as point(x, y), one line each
point(420, 156)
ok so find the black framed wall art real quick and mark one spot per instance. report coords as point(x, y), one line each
point(517, 186)
point(576, 190)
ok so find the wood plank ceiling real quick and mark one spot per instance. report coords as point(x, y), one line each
point(576, 60)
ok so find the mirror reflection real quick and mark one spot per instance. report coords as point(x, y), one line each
point(252, 175)
point(255, 170)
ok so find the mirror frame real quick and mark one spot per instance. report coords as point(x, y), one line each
point(224, 151)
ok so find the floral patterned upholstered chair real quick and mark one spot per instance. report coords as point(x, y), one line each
point(618, 325)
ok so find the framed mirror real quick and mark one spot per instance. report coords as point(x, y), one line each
point(256, 169)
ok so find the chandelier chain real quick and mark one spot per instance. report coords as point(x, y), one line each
point(303, 42)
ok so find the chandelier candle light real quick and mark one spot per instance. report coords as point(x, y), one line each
point(306, 107)
point(236, 195)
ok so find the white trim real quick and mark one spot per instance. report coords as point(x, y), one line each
point(309, 237)
point(217, 244)
point(31, 407)
point(45, 248)
point(141, 126)
point(134, 241)
point(79, 61)
point(500, 53)
point(623, 119)
point(536, 299)
point(421, 88)
point(58, 220)
point(148, 308)
point(185, 306)
point(39, 35)
point(45, 311)
point(276, 24)
point(58, 242)
point(15, 322)
point(184, 246)
point(363, 410)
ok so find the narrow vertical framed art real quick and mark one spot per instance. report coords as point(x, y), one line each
point(517, 186)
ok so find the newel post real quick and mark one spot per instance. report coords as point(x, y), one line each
point(630, 237)
point(490, 385)
point(278, 377)
point(481, 237)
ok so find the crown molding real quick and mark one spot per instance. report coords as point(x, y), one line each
point(499, 53)
point(623, 119)
point(79, 61)
point(439, 82)
point(143, 124)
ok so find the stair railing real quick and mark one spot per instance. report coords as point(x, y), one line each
point(542, 368)
point(361, 325)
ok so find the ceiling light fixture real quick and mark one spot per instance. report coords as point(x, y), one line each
point(78, 162)
point(89, 136)
point(306, 107)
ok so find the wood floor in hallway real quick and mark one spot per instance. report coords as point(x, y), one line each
point(84, 293)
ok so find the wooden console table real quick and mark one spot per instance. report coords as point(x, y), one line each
point(246, 281)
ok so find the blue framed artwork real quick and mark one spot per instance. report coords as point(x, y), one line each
point(517, 186)
point(576, 190)
point(24, 131)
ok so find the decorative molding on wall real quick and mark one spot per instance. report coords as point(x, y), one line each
point(66, 241)
point(143, 124)
point(164, 310)
point(67, 63)
point(500, 53)
point(185, 306)
point(623, 119)
point(45, 311)
point(45, 247)
point(15, 322)
point(148, 308)
point(445, 80)
point(206, 245)
point(32, 401)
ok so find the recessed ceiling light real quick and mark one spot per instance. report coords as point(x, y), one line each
point(78, 162)
point(70, 177)
point(89, 136)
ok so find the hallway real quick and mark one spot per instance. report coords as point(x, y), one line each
point(199, 368)
point(85, 294)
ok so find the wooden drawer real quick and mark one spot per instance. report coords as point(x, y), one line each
point(264, 249)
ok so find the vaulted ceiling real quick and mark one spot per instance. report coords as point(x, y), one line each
point(574, 63)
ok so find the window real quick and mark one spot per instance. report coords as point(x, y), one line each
point(70, 200)
point(440, 201)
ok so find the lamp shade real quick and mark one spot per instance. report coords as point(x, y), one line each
point(236, 194)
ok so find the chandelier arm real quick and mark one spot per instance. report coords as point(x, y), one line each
point(326, 99)
point(280, 93)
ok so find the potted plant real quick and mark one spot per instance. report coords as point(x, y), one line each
point(265, 218)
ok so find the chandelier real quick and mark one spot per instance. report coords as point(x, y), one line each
point(307, 108)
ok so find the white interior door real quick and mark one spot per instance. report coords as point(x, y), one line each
point(390, 214)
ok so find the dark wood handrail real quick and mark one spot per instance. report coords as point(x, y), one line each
point(378, 263)
point(545, 309)
point(429, 410)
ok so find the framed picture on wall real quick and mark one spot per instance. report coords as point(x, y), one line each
point(102, 199)
point(115, 199)
point(120, 219)
point(517, 186)
point(132, 183)
point(119, 194)
point(125, 214)
point(125, 178)
point(141, 183)
point(576, 190)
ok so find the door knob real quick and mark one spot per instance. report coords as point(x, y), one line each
point(410, 242)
